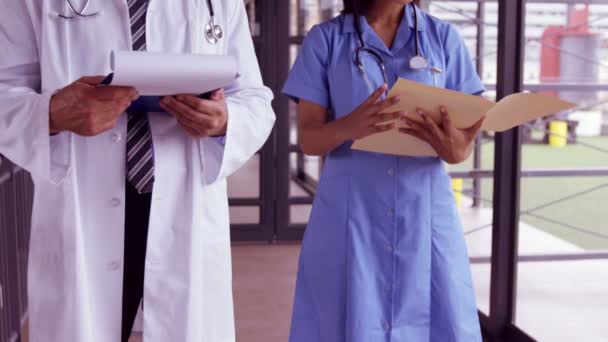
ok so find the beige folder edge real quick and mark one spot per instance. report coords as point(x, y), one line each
point(464, 110)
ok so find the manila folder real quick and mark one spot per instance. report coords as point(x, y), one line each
point(464, 110)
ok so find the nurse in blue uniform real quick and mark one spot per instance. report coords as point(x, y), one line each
point(384, 257)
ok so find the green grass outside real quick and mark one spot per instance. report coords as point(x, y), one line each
point(589, 211)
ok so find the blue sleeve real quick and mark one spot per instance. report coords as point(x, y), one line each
point(308, 77)
point(461, 73)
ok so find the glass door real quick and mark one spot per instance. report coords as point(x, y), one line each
point(563, 222)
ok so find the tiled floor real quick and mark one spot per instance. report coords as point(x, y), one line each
point(559, 301)
point(264, 280)
point(572, 295)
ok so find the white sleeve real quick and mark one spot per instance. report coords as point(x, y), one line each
point(250, 114)
point(24, 110)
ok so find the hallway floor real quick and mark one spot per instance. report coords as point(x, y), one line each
point(264, 281)
point(571, 295)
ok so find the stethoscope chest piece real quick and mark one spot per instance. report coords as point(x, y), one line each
point(418, 63)
point(213, 32)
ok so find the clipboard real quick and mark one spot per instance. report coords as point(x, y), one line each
point(156, 75)
point(148, 104)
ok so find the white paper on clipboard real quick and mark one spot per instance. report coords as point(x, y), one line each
point(161, 74)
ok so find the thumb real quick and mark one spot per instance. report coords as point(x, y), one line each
point(217, 95)
point(375, 96)
point(473, 130)
point(92, 80)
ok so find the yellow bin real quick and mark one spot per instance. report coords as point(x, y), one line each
point(457, 186)
point(558, 133)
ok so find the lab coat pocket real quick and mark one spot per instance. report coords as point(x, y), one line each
point(60, 154)
point(77, 21)
point(325, 241)
point(74, 11)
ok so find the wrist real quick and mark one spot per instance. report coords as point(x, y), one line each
point(53, 127)
point(341, 131)
point(222, 132)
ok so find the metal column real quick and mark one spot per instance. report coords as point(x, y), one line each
point(281, 53)
point(262, 14)
point(507, 165)
point(480, 51)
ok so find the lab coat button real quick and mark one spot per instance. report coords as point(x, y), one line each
point(391, 172)
point(153, 261)
point(113, 266)
point(116, 137)
point(115, 202)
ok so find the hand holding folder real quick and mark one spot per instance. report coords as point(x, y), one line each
point(464, 110)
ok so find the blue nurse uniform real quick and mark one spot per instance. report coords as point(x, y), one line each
point(383, 257)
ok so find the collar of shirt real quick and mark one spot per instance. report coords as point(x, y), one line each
point(404, 32)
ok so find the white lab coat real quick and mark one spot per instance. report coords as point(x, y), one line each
point(76, 250)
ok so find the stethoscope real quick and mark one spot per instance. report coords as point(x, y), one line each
point(78, 13)
point(417, 63)
point(213, 31)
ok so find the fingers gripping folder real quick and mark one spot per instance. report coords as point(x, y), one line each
point(156, 75)
point(464, 111)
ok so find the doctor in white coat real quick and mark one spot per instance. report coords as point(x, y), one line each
point(72, 137)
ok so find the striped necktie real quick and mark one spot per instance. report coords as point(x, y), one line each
point(140, 152)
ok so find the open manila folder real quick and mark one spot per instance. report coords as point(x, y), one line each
point(464, 110)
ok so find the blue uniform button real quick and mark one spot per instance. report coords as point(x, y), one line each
point(389, 248)
point(390, 212)
point(386, 326)
point(391, 172)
